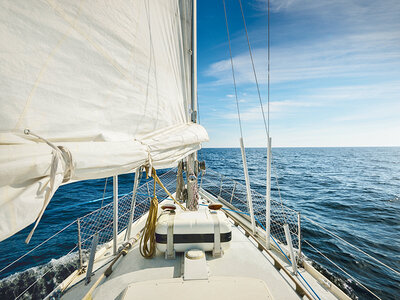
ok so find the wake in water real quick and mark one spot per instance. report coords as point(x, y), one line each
point(344, 285)
point(38, 282)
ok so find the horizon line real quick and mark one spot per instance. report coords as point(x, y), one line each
point(263, 147)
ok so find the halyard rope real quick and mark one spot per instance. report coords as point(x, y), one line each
point(147, 240)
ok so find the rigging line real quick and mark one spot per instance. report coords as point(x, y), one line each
point(332, 262)
point(355, 247)
point(30, 251)
point(254, 71)
point(233, 70)
point(104, 192)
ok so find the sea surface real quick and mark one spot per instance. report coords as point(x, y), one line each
point(353, 192)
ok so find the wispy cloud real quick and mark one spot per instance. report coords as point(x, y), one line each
point(335, 74)
point(355, 55)
point(254, 112)
point(357, 12)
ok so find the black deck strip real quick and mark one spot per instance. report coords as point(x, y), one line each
point(193, 238)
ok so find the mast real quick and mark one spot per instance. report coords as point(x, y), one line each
point(268, 191)
point(194, 63)
point(192, 203)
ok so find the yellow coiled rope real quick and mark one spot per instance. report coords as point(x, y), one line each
point(148, 238)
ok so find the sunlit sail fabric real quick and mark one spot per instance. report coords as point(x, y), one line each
point(107, 81)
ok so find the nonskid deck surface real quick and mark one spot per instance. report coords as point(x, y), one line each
point(252, 270)
point(242, 260)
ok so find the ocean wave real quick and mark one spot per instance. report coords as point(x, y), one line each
point(38, 282)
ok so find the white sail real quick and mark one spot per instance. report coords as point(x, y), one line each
point(107, 81)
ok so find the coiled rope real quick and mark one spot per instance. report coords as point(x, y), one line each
point(148, 240)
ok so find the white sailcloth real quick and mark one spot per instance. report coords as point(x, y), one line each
point(107, 81)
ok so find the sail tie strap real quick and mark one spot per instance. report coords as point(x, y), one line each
point(149, 159)
point(59, 153)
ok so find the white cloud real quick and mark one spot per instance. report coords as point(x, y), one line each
point(254, 114)
point(355, 55)
point(381, 95)
point(356, 12)
point(358, 58)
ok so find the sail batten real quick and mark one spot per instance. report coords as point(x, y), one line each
point(108, 83)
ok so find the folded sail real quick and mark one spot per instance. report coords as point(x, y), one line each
point(106, 84)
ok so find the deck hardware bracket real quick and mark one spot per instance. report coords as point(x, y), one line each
point(299, 291)
point(89, 272)
point(290, 246)
point(170, 253)
point(217, 250)
point(277, 265)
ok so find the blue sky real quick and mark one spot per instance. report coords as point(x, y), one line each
point(335, 72)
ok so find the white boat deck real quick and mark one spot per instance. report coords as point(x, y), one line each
point(242, 271)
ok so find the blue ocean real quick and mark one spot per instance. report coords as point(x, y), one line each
point(353, 192)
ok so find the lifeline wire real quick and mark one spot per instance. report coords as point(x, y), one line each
point(30, 251)
point(19, 296)
point(355, 247)
point(332, 262)
point(104, 192)
point(263, 227)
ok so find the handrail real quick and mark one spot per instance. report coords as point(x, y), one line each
point(221, 188)
point(50, 269)
point(341, 269)
point(355, 247)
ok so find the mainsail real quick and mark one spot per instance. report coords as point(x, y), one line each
point(98, 87)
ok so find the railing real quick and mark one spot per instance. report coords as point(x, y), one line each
point(98, 221)
point(234, 193)
point(101, 220)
